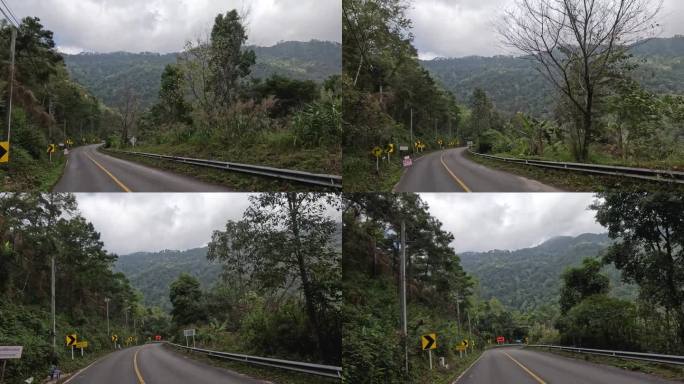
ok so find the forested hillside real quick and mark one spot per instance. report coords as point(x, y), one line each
point(107, 74)
point(527, 279)
point(153, 272)
point(47, 108)
point(514, 85)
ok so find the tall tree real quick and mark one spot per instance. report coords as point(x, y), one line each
point(172, 95)
point(582, 282)
point(576, 44)
point(649, 229)
point(229, 60)
point(186, 297)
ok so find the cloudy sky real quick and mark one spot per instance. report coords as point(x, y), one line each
point(165, 25)
point(152, 222)
point(456, 28)
point(484, 221)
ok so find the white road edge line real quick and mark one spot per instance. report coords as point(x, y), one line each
point(468, 369)
point(83, 369)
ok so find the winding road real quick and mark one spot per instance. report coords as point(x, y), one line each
point(89, 170)
point(451, 171)
point(154, 364)
point(526, 366)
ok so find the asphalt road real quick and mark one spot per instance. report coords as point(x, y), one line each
point(155, 364)
point(525, 366)
point(89, 170)
point(451, 171)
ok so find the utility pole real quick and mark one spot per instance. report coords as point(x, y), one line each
point(11, 84)
point(403, 294)
point(107, 303)
point(458, 312)
point(411, 143)
point(470, 333)
point(52, 291)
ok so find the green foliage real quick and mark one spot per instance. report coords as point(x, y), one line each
point(649, 247)
point(290, 94)
point(186, 297)
point(373, 345)
point(33, 229)
point(529, 279)
point(599, 321)
point(580, 283)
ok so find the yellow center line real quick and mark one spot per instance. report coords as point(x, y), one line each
point(539, 380)
point(461, 183)
point(135, 365)
point(122, 185)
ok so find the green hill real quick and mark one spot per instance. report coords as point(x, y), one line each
point(514, 84)
point(527, 278)
point(105, 74)
point(153, 272)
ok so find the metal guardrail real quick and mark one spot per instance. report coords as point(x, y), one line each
point(310, 368)
point(651, 357)
point(637, 173)
point(330, 181)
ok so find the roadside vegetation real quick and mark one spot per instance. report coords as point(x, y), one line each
point(279, 293)
point(209, 107)
point(32, 229)
point(47, 108)
point(385, 89)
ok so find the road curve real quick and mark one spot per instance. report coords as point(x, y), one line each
point(155, 364)
point(526, 366)
point(451, 171)
point(89, 170)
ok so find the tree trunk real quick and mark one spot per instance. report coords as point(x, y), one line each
point(304, 276)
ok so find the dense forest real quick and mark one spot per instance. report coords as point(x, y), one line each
point(616, 291)
point(34, 230)
point(47, 108)
point(389, 98)
point(514, 84)
point(528, 278)
point(106, 74)
point(210, 107)
point(279, 292)
point(276, 293)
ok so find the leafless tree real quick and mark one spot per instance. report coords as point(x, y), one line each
point(128, 111)
point(577, 44)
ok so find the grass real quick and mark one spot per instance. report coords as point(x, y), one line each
point(275, 375)
point(234, 180)
point(666, 371)
point(24, 173)
point(577, 181)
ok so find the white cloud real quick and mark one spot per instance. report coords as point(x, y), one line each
point(155, 221)
point(456, 28)
point(486, 221)
point(165, 25)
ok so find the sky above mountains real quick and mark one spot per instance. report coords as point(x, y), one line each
point(457, 28)
point(486, 221)
point(165, 25)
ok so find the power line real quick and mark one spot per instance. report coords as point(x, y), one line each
point(8, 18)
point(10, 12)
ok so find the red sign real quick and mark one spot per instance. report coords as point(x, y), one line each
point(157, 338)
point(500, 340)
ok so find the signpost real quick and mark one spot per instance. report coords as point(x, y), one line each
point(71, 340)
point(377, 152)
point(389, 150)
point(133, 140)
point(9, 352)
point(51, 149)
point(429, 342)
point(403, 148)
point(187, 333)
point(4, 151)
point(157, 338)
point(81, 344)
point(500, 339)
